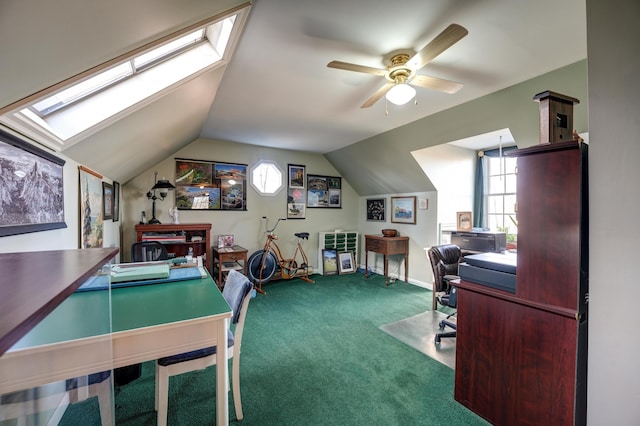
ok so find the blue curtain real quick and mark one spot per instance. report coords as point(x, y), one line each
point(479, 206)
point(479, 211)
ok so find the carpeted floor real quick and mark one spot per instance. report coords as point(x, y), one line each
point(419, 332)
point(313, 354)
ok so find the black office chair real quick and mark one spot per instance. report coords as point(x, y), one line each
point(444, 263)
point(148, 251)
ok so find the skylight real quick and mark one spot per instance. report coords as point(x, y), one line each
point(63, 118)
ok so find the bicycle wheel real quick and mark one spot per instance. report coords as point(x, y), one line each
point(255, 264)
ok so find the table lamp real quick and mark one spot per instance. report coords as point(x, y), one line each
point(162, 186)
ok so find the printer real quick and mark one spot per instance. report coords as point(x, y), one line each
point(480, 241)
point(495, 270)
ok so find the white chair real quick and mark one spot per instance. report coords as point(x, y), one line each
point(237, 292)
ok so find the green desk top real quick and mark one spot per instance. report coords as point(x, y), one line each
point(86, 314)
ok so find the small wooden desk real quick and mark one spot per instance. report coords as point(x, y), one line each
point(228, 254)
point(386, 246)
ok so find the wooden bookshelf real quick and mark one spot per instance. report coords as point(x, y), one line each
point(201, 232)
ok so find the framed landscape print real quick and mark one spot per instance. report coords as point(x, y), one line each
point(376, 209)
point(209, 185)
point(91, 230)
point(403, 210)
point(31, 188)
point(329, 262)
point(345, 263)
point(324, 191)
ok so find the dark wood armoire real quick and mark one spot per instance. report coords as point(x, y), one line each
point(522, 358)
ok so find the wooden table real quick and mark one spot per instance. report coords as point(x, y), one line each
point(387, 246)
point(221, 255)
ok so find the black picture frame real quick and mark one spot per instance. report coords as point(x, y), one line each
point(296, 193)
point(107, 201)
point(324, 191)
point(329, 262)
point(376, 209)
point(38, 176)
point(116, 201)
point(210, 185)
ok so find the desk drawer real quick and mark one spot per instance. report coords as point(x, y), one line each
point(375, 245)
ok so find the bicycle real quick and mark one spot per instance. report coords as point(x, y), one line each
point(263, 264)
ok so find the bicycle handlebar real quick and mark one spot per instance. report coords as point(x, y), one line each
point(266, 226)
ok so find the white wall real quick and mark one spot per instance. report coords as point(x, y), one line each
point(65, 238)
point(421, 235)
point(614, 201)
point(451, 169)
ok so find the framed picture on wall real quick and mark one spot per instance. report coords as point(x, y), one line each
point(403, 210)
point(31, 188)
point(296, 193)
point(116, 201)
point(376, 209)
point(324, 191)
point(107, 201)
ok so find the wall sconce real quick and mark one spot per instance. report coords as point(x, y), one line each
point(162, 186)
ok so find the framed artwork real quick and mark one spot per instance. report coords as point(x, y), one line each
point(329, 262)
point(345, 263)
point(91, 233)
point(107, 201)
point(296, 176)
point(209, 185)
point(423, 203)
point(376, 209)
point(225, 241)
point(116, 201)
point(464, 221)
point(324, 191)
point(403, 210)
point(296, 194)
point(31, 188)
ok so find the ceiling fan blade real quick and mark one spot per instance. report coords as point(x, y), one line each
point(435, 83)
point(376, 96)
point(447, 38)
point(357, 68)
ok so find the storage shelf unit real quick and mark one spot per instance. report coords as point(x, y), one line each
point(196, 236)
point(341, 241)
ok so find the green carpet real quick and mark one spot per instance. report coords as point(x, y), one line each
point(313, 354)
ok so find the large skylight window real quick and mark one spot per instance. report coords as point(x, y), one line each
point(74, 111)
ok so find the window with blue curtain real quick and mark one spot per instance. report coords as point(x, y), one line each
point(495, 192)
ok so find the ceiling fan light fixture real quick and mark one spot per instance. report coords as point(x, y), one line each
point(400, 94)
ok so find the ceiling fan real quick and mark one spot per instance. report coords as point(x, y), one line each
point(402, 70)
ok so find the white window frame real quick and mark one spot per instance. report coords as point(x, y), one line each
point(264, 182)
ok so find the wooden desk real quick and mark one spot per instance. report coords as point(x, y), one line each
point(386, 246)
point(148, 322)
point(235, 254)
